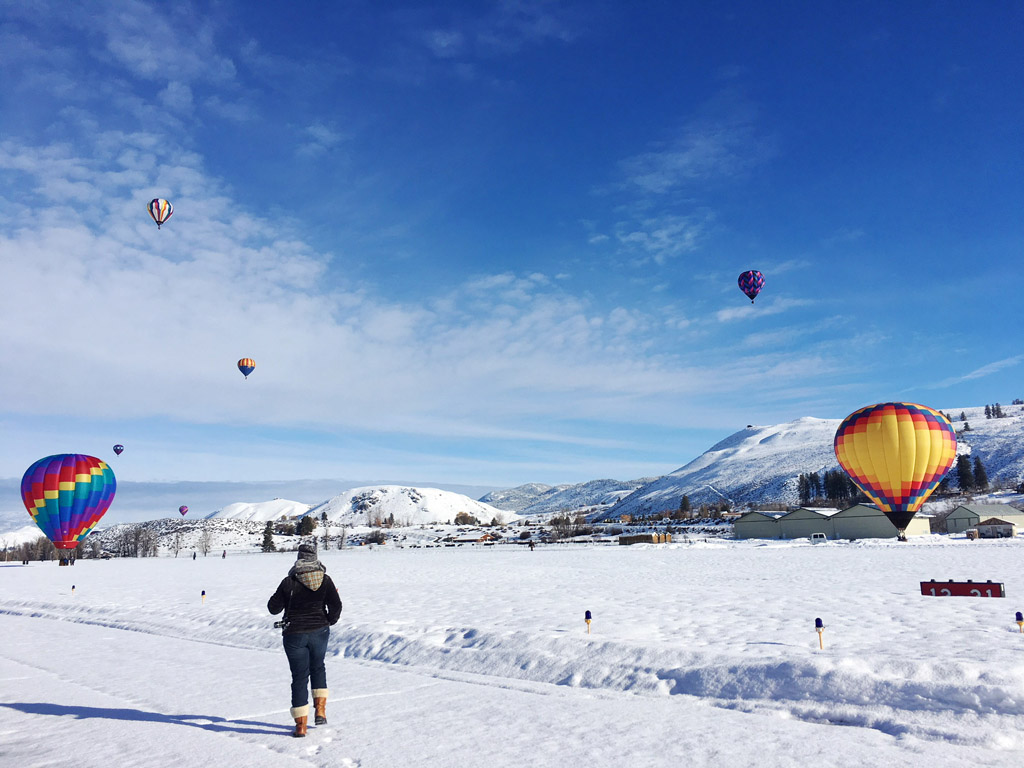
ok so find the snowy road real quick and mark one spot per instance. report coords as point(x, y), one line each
point(133, 670)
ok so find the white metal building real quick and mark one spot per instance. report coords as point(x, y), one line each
point(969, 515)
point(861, 521)
point(757, 525)
point(802, 522)
point(866, 521)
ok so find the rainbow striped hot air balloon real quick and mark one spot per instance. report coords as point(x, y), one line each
point(66, 495)
point(160, 210)
point(897, 453)
point(246, 365)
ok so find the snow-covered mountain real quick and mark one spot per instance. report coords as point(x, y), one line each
point(761, 464)
point(405, 505)
point(261, 511)
point(522, 496)
point(594, 493)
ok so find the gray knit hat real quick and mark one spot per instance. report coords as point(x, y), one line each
point(307, 550)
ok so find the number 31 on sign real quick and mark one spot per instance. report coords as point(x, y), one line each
point(967, 588)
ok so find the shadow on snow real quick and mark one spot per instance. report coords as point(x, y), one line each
point(206, 722)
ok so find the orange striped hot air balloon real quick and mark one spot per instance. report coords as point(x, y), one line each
point(160, 210)
point(246, 365)
point(897, 453)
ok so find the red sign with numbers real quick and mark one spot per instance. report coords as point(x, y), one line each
point(962, 589)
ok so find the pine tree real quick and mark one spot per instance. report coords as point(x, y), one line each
point(307, 526)
point(980, 475)
point(988, 411)
point(963, 416)
point(268, 538)
point(964, 475)
point(966, 427)
point(803, 489)
point(684, 504)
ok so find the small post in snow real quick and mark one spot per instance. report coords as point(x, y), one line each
point(204, 597)
point(587, 616)
point(1020, 621)
point(73, 592)
point(819, 628)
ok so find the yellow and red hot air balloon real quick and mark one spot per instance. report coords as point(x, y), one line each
point(246, 365)
point(897, 453)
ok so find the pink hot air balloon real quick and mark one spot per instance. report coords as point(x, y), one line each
point(183, 509)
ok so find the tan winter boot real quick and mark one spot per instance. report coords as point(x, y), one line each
point(301, 714)
point(320, 706)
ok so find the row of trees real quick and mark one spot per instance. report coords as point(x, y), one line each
point(994, 412)
point(968, 477)
point(832, 486)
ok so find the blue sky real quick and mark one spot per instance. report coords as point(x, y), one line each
point(496, 242)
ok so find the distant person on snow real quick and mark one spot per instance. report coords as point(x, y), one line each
point(311, 606)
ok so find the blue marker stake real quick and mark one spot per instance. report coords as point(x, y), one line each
point(587, 617)
point(819, 627)
point(1020, 621)
point(204, 597)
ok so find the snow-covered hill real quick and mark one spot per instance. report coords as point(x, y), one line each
point(522, 496)
point(762, 464)
point(262, 510)
point(539, 499)
point(404, 505)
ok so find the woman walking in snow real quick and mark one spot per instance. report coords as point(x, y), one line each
point(311, 606)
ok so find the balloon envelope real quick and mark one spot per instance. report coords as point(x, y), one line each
point(66, 495)
point(897, 453)
point(118, 448)
point(751, 282)
point(246, 365)
point(183, 509)
point(160, 210)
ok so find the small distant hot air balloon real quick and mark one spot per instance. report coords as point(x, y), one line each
point(183, 509)
point(160, 210)
point(246, 365)
point(897, 453)
point(118, 448)
point(751, 282)
point(66, 495)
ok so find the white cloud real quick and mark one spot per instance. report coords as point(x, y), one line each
point(983, 371)
point(663, 237)
point(719, 144)
point(177, 97)
point(751, 311)
point(320, 138)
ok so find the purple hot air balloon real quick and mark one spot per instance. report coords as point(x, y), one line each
point(118, 448)
point(751, 282)
point(183, 509)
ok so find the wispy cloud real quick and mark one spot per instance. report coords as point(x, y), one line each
point(979, 373)
point(750, 311)
point(318, 139)
point(720, 143)
point(660, 238)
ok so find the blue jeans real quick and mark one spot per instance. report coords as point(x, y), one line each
point(305, 652)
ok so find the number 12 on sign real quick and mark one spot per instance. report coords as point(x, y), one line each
point(962, 589)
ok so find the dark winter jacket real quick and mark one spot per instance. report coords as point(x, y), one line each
point(306, 609)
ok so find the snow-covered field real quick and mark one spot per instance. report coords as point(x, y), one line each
point(700, 654)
